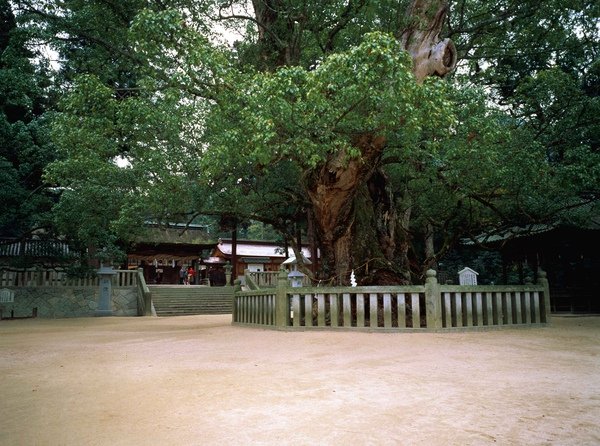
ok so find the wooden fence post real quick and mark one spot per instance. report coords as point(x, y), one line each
point(282, 311)
point(433, 302)
point(543, 281)
point(237, 287)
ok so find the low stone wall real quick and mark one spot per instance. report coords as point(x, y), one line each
point(60, 302)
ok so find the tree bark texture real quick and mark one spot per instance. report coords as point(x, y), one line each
point(385, 213)
point(405, 237)
point(271, 16)
point(332, 189)
point(431, 56)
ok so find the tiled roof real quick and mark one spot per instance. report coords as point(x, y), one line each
point(256, 250)
point(175, 234)
point(35, 248)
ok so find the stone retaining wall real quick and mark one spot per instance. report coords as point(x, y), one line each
point(59, 302)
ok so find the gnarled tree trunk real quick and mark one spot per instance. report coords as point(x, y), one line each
point(333, 187)
point(332, 190)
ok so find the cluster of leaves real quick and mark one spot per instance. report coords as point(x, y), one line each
point(305, 116)
point(117, 132)
point(119, 163)
point(563, 118)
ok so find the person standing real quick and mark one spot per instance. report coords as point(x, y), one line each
point(182, 275)
point(190, 275)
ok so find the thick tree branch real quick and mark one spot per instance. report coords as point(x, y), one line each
point(421, 39)
point(346, 16)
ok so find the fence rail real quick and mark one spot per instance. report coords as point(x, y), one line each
point(523, 305)
point(266, 279)
point(256, 307)
point(407, 308)
point(261, 279)
point(391, 309)
point(57, 278)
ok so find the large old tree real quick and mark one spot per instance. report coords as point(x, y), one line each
point(333, 186)
point(346, 168)
point(325, 115)
point(361, 218)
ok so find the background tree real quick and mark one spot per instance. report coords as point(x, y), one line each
point(25, 149)
point(95, 56)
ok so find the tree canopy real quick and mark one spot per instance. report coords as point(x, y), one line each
point(323, 119)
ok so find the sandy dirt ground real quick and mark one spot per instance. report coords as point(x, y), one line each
point(198, 380)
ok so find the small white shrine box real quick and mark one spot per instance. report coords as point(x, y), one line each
point(467, 276)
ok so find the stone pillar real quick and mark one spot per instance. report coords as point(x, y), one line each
point(105, 273)
point(237, 287)
point(146, 294)
point(433, 303)
point(543, 281)
point(282, 310)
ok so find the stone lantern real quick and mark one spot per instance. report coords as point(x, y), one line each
point(106, 274)
point(295, 278)
point(228, 268)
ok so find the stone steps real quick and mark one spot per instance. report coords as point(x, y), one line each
point(184, 300)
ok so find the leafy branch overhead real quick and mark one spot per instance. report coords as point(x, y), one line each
point(307, 115)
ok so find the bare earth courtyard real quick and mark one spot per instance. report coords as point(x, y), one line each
point(198, 380)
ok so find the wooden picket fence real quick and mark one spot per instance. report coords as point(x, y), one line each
point(403, 308)
point(57, 278)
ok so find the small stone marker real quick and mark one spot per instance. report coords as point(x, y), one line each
point(7, 296)
point(105, 273)
point(467, 276)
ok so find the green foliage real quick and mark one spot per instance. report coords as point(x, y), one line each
point(303, 33)
point(307, 115)
point(122, 135)
point(504, 42)
point(565, 120)
point(91, 37)
point(118, 154)
point(158, 122)
point(258, 231)
point(24, 142)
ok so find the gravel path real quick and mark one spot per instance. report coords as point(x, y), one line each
point(198, 380)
